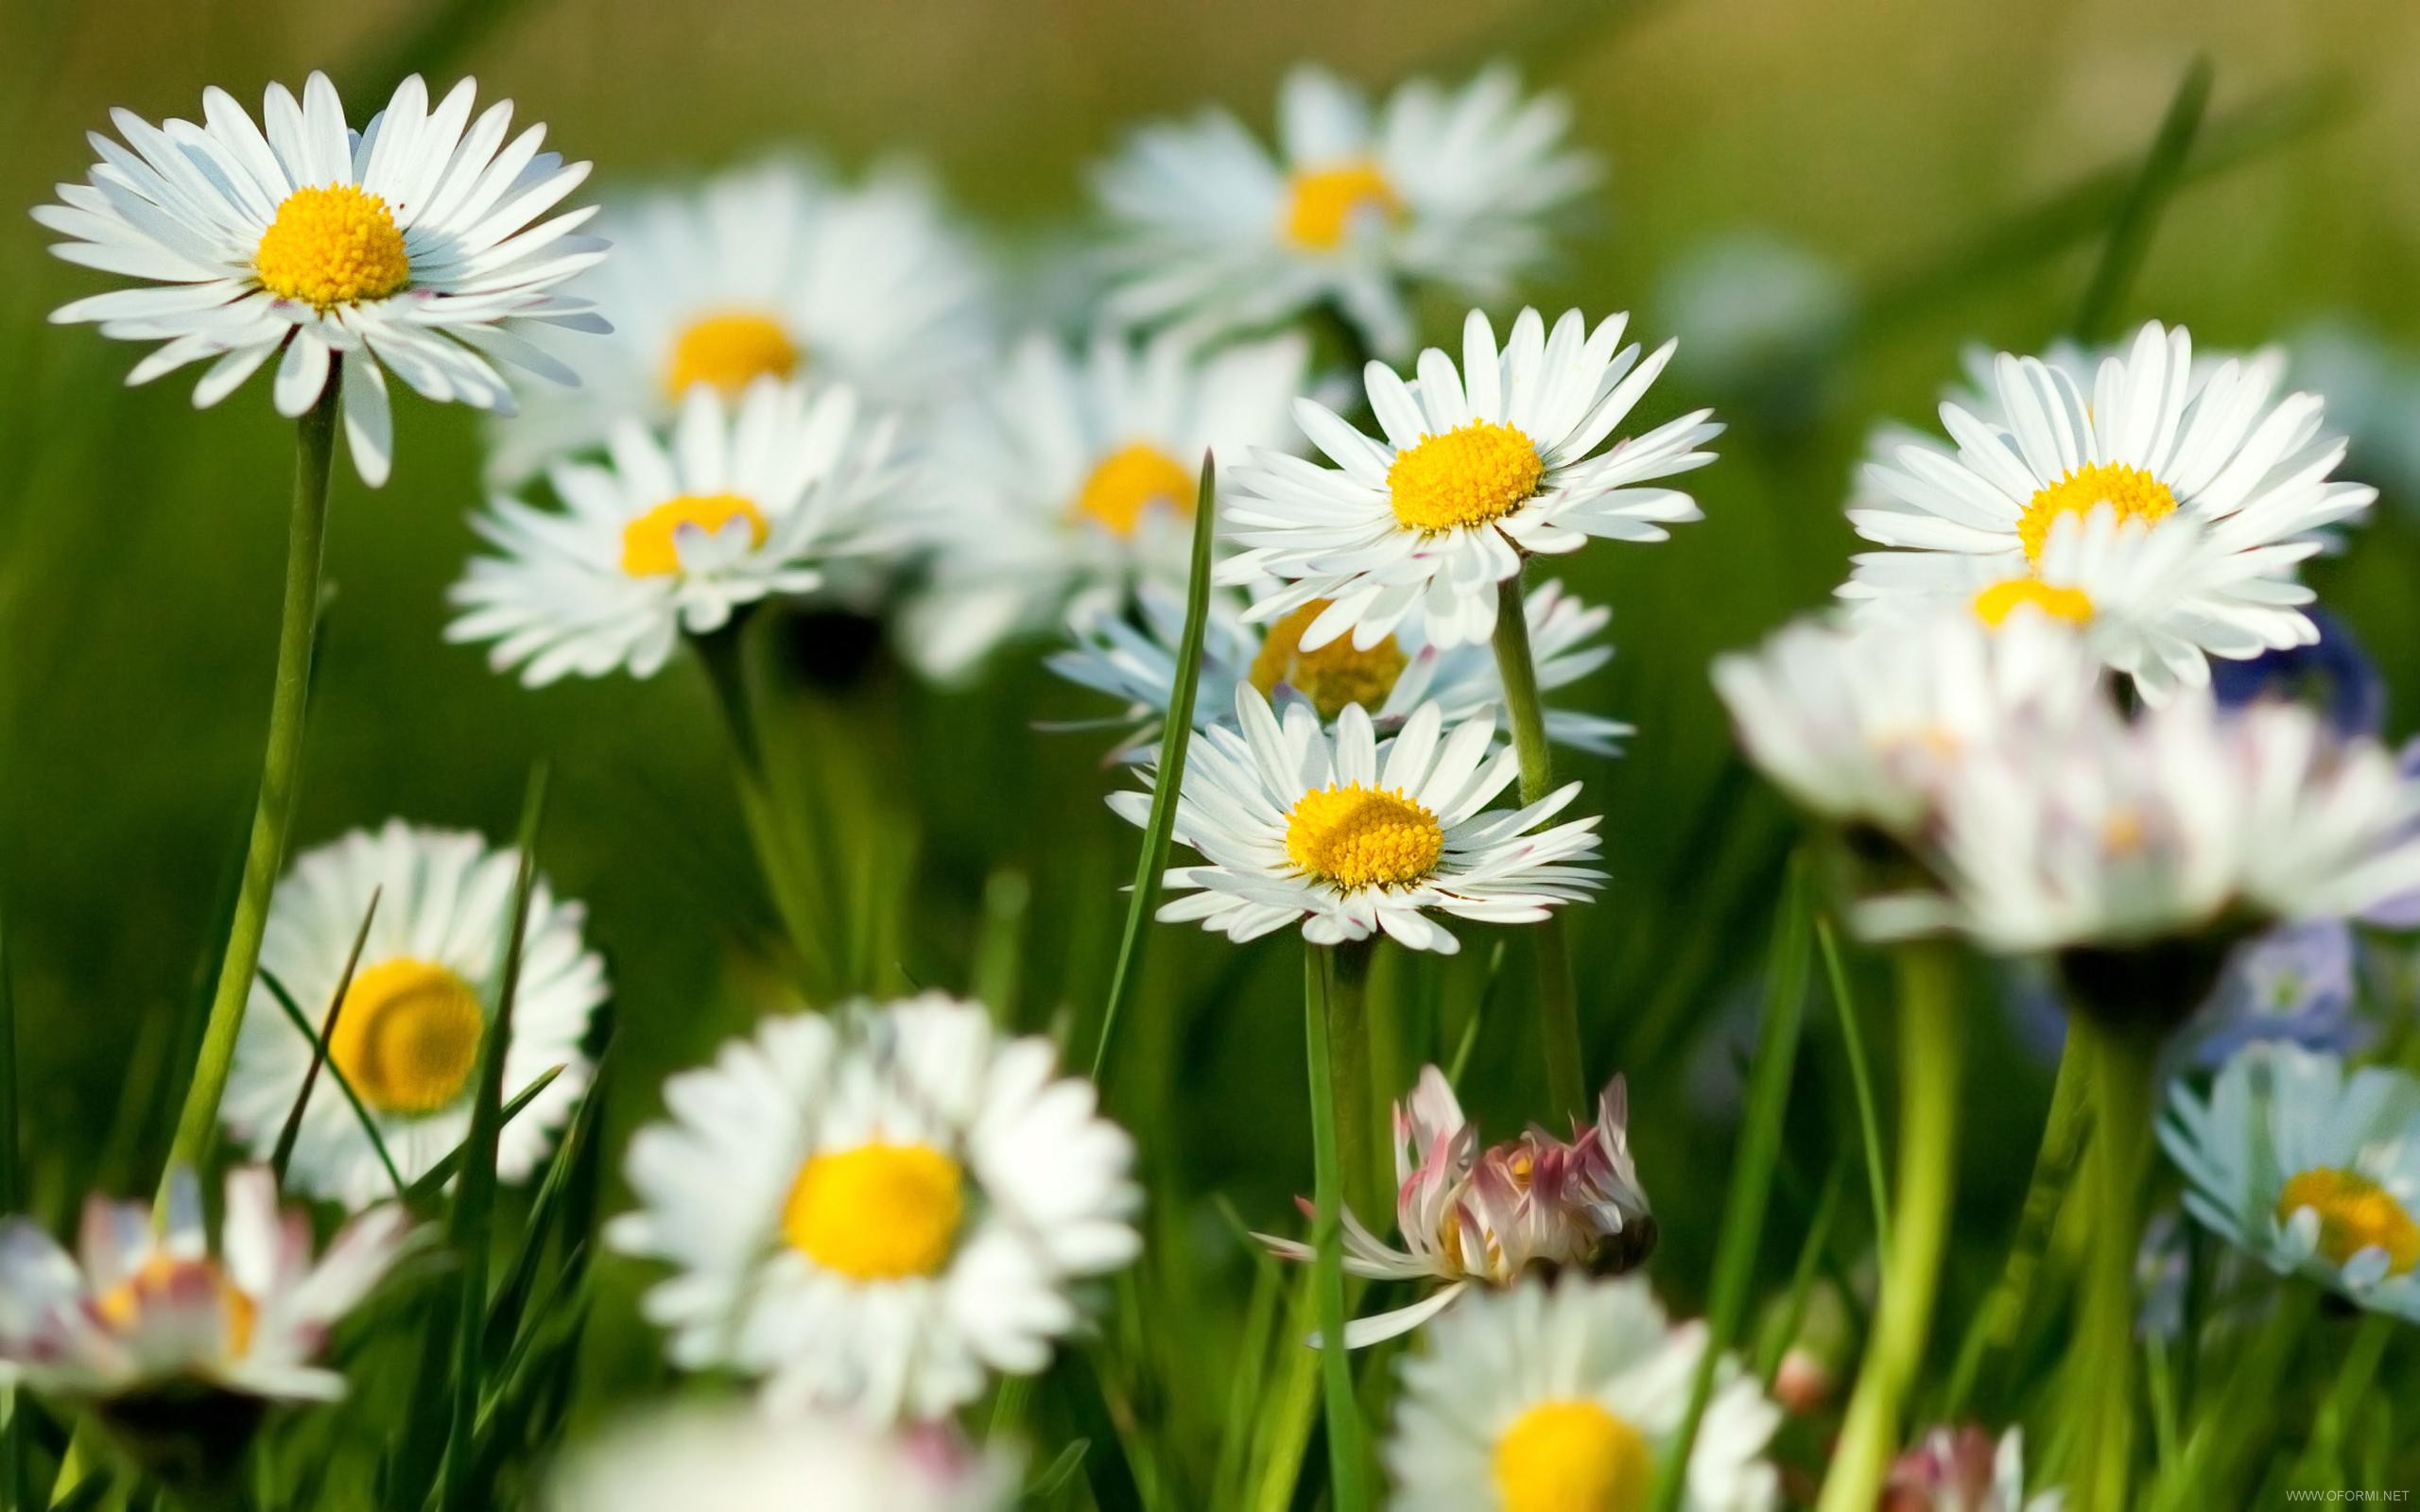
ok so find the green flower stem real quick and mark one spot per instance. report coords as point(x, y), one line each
point(1558, 1007)
point(1931, 1050)
point(1348, 1487)
point(1348, 1050)
point(2102, 1392)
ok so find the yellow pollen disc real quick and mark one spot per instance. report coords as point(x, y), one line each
point(121, 1306)
point(729, 352)
point(1358, 836)
point(2355, 1214)
point(331, 247)
point(1994, 605)
point(1130, 481)
point(407, 1036)
point(1573, 1456)
point(2134, 494)
point(650, 543)
point(1467, 476)
point(879, 1212)
point(1322, 204)
point(1333, 676)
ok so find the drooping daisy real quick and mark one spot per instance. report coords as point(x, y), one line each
point(409, 1033)
point(1493, 1216)
point(407, 247)
point(1068, 479)
point(1452, 189)
point(2309, 1169)
point(737, 1460)
point(746, 500)
point(1477, 469)
point(1554, 1398)
point(1135, 660)
point(1347, 835)
point(1963, 1470)
point(772, 270)
point(2159, 444)
point(142, 1308)
point(877, 1208)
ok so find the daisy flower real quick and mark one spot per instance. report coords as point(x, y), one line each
point(747, 499)
point(2308, 1168)
point(1456, 189)
point(1068, 478)
point(406, 246)
point(2152, 441)
point(734, 1460)
point(1964, 1470)
point(771, 270)
point(1492, 1216)
point(877, 1208)
point(1346, 836)
point(1135, 660)
point(1475, 470)
point(1552, 1397)
point(409, 1033)
point(141, 1307)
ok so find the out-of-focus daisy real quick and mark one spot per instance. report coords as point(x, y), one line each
point(746, 500)
point(1070, 478)
point(408, 1034)
point(1453, 189)
point(1476, 470)
point(142, 1308)
point(1135, 660)
point(737, 1460)
point(1492, 1216)
point(1962, 1470)
point(878, 1209)
point(2373, 390)
point(2309, 1169)
point(1759, 312)
point(1548, 1398)
point(1347, 835)
point(2157, 444)
point(2297, 982)
point(774, 270)
point(406, 247)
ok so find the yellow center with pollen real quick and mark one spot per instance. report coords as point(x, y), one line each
point(2355, 1214)
point(1468, 477)
point(1333, 676)
point(1322, 204)
point(650, 543)
point(407, 1036)
point(330, 247)
point(160, 1281)
point(728, 351)
point(2133, 492)
point(1994, 605)
point(878, 1212)
point(1130, 481)
point(1358, 836)
point(1573, 1456)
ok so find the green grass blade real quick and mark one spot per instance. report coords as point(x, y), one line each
point(283, 1154)
point(505, 1314)
point(15, 1482)
point(1802, 1279)
point(335, 1073)
point(423, 1194)
point(1348, 1491)
point(2129, 230)
point(1868, 1123)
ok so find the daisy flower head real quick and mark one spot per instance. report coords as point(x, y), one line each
point(1457, 189)
point(1069, 477)
point(747, 499)
point(732, 1459)
point(409, 1031)
point(776, 269)
point(1965, 1469)
point(1556, 1396)
point(407, 247)
point(2150, 441)
point(1347, 835)
point(1492, 1216)
point(2309, 1168)
point(1475, 470)
point(879, 1208)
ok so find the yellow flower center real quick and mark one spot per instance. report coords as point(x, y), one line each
point(2355, 1214)
point(1358, 836)
point(331, 247)
point(1573, 1456)
point(1130, 480)
point(161, 1280)
point(2134, 494)
point(1467, 476)
point(1322, 204)
point(407, 1036)
point(879, 1212)
point(1333, 676)
point(1994, 605)
point(729, 352)
point(651, 544)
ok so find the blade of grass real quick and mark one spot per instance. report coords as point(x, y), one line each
point(1802, 1278)
point(283, 1154)
point(425, 1193)
point(506, 1314)
point(1878, 1185)
point(335, 1073)
point(1348, 1491)
point(15, 1482)
point(2129, 228)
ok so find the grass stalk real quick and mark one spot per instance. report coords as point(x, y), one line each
point(1348, 1485)
point(1558, 1004)
point(2129, 228)
point(1860, 1081)
point(2102, 1392)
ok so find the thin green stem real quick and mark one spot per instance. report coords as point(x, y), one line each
point(2101, 1391)
point(2322, 1459)
point(1347, 1473)
point(1558, 1004)
point(1860, 1078)
point(1348, 1031)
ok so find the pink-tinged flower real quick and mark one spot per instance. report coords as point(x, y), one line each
point(1961, 1469)
point(1490, 1216)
